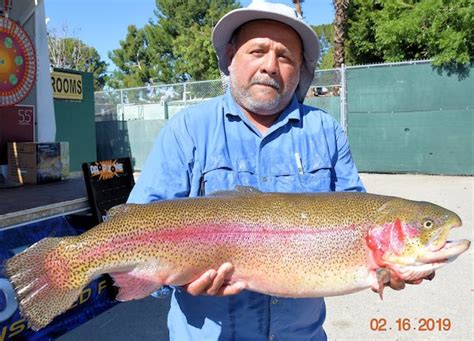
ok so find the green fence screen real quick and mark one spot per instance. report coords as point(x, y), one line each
point(411, 118)
point(401, 118)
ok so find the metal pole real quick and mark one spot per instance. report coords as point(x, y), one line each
point(121, 104)
point(343, 98)
point(184, 94)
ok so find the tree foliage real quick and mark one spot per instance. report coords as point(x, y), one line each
point(174, 48)
point(325, 34)
point(390, 31)
point(135, 67)
point(71, 53)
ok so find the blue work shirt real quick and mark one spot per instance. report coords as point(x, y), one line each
point(213, 146)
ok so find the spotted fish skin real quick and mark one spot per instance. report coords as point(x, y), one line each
point(289, 245)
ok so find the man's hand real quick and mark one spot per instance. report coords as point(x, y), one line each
point(389, 278)
point(399, 284)
point(215, 283)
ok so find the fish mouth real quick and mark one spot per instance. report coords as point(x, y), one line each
point(447, 252)
point(433, 244)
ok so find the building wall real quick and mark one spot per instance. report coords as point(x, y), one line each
point(75, 123)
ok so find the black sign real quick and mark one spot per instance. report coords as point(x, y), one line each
point(108, 183)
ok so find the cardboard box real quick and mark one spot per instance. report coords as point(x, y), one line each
point(34, 163)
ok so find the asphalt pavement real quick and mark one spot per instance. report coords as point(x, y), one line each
point(441, 309)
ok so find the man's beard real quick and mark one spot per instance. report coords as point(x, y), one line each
point(244, 98)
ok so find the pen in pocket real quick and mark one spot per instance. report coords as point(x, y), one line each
point(299, 165)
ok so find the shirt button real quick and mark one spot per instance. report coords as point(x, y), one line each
point(264, 179)
point(271, 337)
point(274, 301)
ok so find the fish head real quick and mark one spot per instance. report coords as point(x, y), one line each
point(412, 236)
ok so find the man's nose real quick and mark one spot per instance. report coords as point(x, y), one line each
point(270, 64)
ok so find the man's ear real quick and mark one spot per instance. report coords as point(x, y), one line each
point(230, 52)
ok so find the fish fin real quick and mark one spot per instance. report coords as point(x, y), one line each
point(247, 189)
point(238, 190)
point(116, 210)
point(41, 277)
point(136, 284)
point(383, 276)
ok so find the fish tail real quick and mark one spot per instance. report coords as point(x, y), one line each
point(45, 280)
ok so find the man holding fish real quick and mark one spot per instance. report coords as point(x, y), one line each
point(227, 201)
point(259, 134)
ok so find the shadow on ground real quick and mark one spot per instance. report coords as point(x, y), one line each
point(135, 320)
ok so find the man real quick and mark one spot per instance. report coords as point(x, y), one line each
point(258, 134)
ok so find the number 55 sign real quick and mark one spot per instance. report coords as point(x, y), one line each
point(17, 124)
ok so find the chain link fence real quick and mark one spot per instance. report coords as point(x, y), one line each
point(152, 102)
point(163, 101)
point(407, 104)
point(128, 120)
point(327, 92)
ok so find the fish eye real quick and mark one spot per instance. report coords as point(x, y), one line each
point(428, 224)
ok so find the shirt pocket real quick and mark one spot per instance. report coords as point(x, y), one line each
point(221, 175)
point(317, 174)
point(317, 180)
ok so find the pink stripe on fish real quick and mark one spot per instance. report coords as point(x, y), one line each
point(207, 233)
point(211, 230)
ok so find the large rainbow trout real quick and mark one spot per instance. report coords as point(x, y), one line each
point(289, 245)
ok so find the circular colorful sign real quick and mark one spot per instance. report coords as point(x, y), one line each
point(17, 63)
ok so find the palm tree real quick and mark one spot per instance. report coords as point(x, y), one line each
point(340, 20)
point(298, 8)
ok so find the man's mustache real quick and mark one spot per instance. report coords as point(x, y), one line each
point(266, 81)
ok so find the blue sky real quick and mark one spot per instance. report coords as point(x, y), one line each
point(103, 23)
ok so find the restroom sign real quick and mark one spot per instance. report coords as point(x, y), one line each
point(67, 85)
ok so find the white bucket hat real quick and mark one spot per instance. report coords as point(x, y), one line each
point(224, 29)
